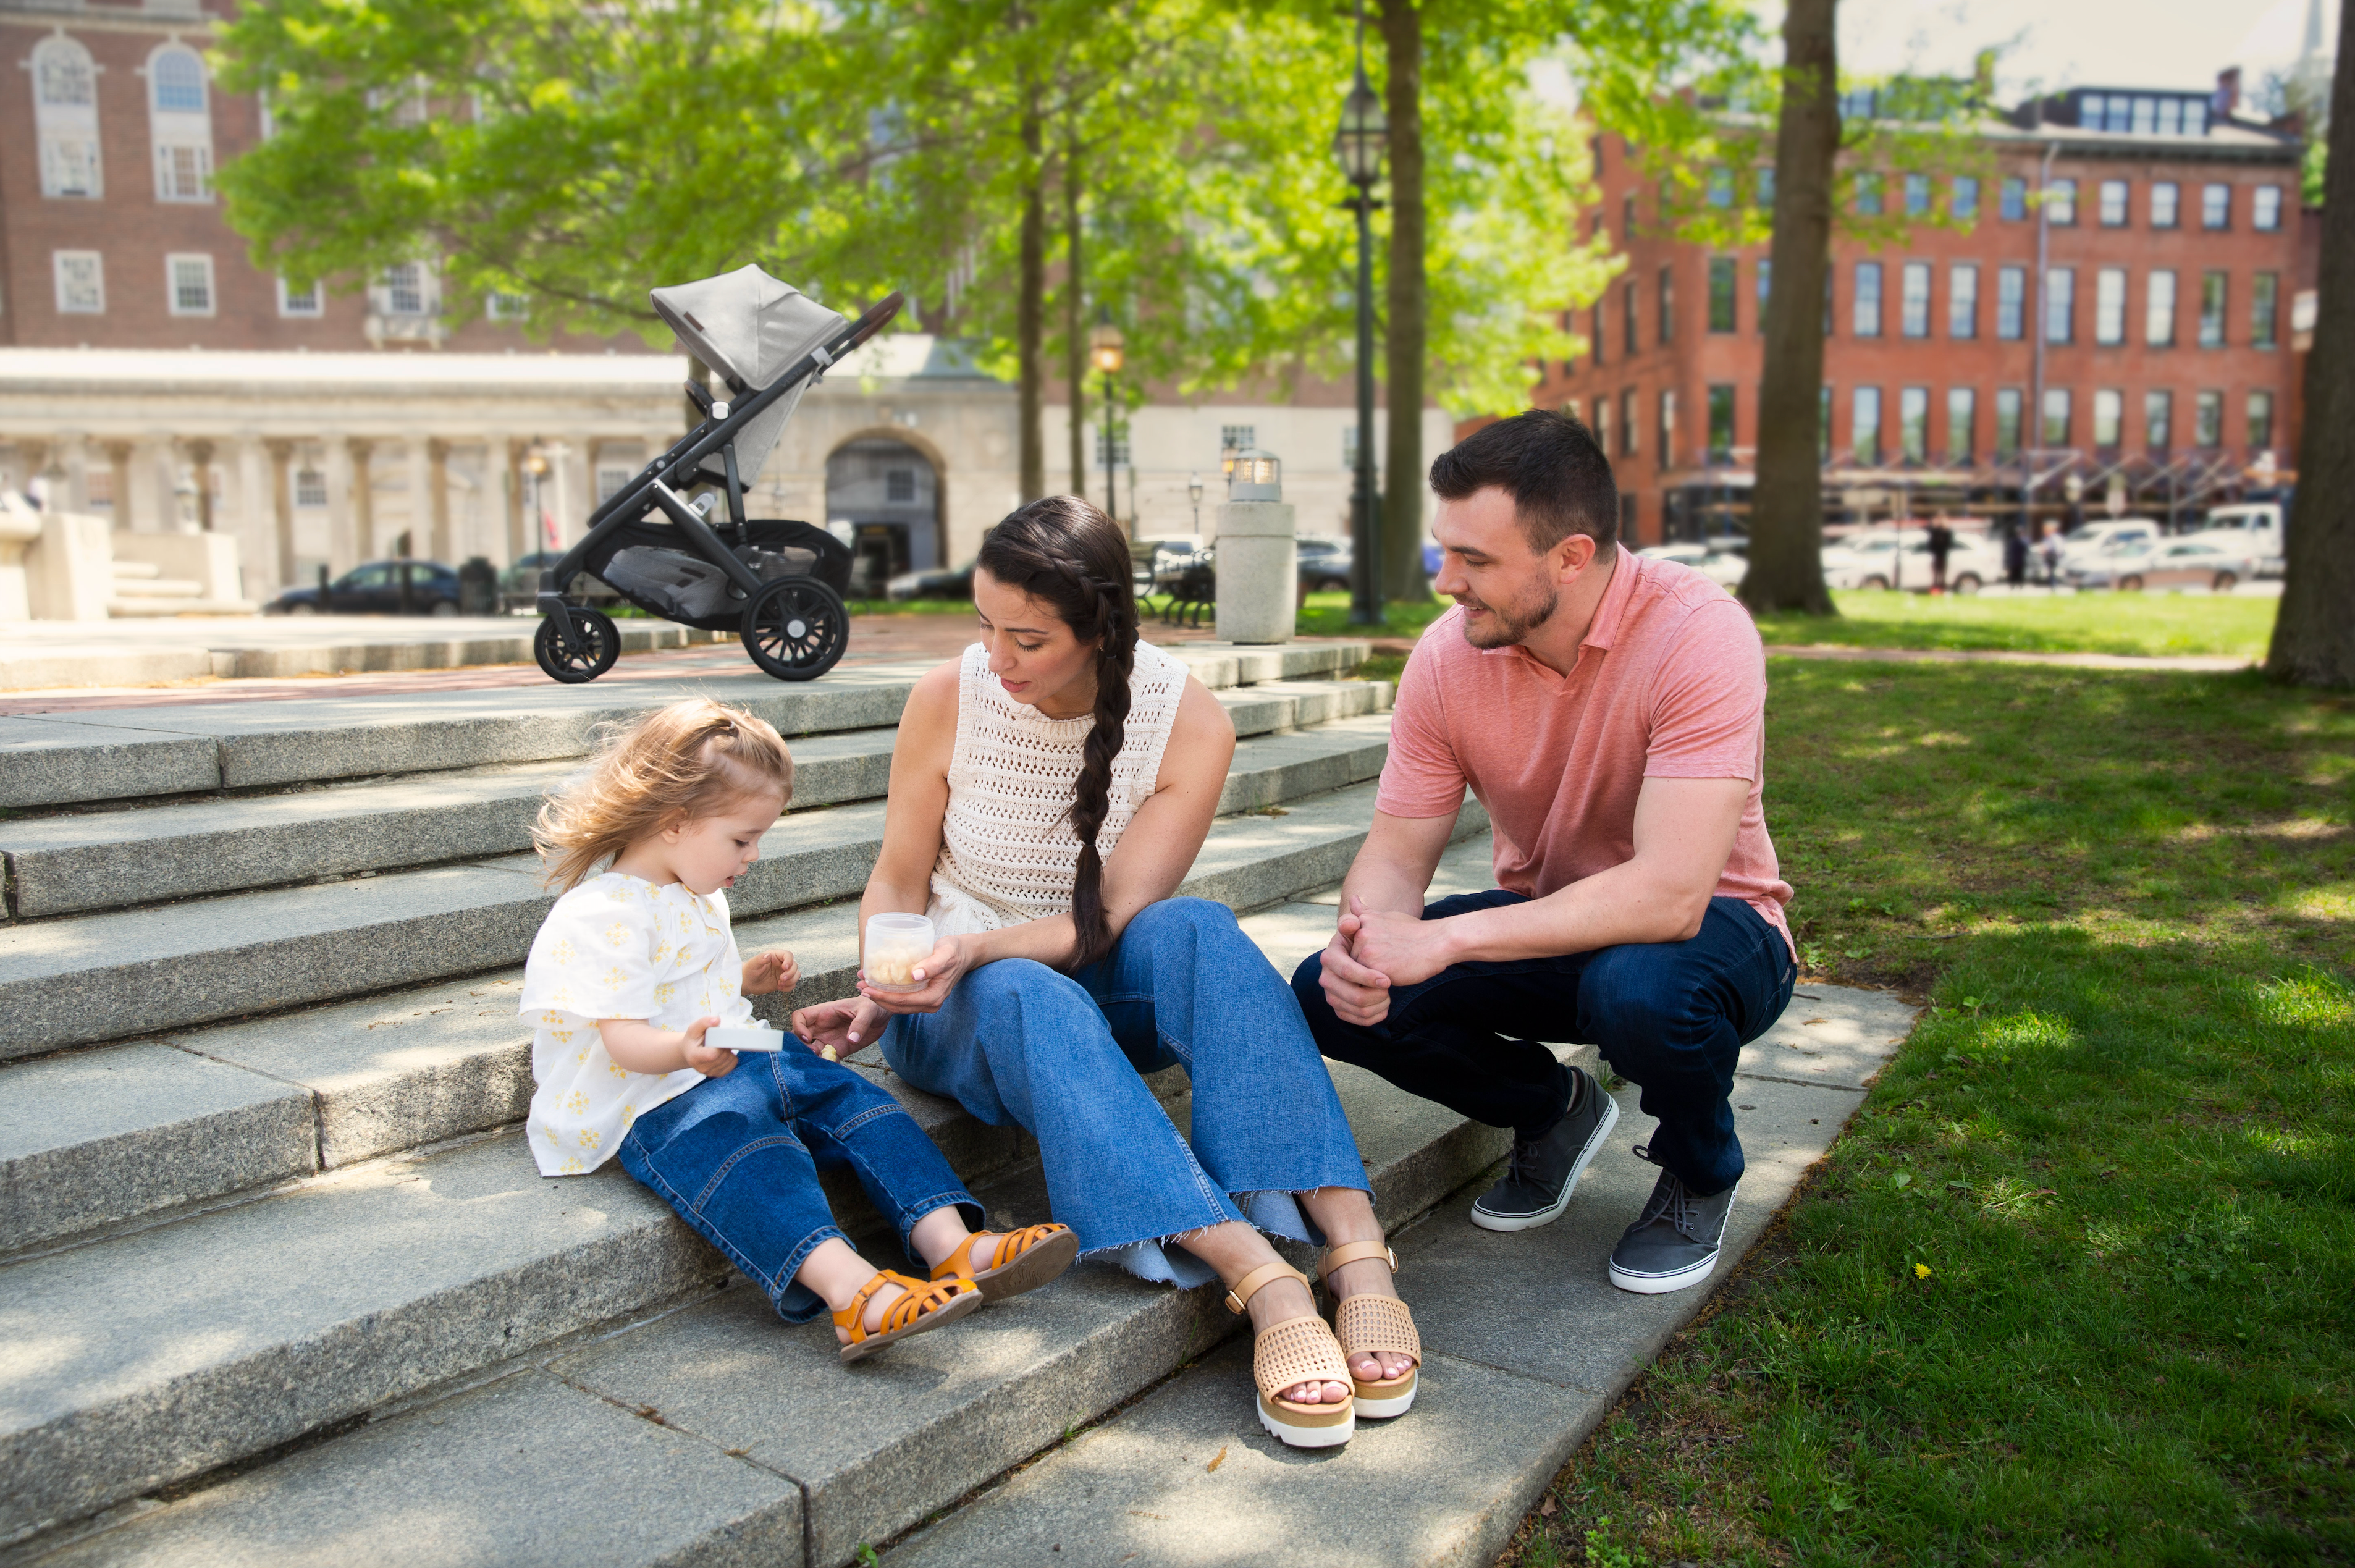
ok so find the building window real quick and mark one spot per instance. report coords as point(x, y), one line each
point(1668, 428)
point(1868, 195)
point(2110, 306)
point(1864, 315)
point(1723, 284)
point(2212, 310)
point(1629, 437)
point(2011, 301)
point(1721, 423)
point(1603, 425)
point(2208, 420)
point(70, 167)
point(499, 305)
point(1913, 300)
point(310, 487)
point(899, 484)
point(178, 80)
point(1963, 300)
point(1965, 202)
point(614, 479)
point(2264, 309)
point(307, 301)
point(1112, 451)
point(2011, 202)
point(2215, 206)
point(1917, 195)
point(1765, 287)
point(81, 282)
point(63, 76)
point(1597, 334)
point(404, 288)
point(2261, 420)
point(179, 125)
point(2165, 205)
point(2109, 417)
point(65, 117)
point(1864, 425)
point(1824, 424)
point(190, 280)
point(2060, 304)
point(2158, 414)
point(2006, 423)
point(1719, 189)
point(2159, 310)
point(1962, 424)
point(1914, 423)
point(184, 173)
point(2060, 203)
point(2113, 204)
point(1766, 187)
point(2266, 209)
point(1629, 314)
point(1667, 306)
point(2056, 416)
point(1627, 218)
point(1238, 437)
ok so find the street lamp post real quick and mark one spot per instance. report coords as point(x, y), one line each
point(1359, 144)
point(1194, 494)
point(534, 464)
point(1106, 348)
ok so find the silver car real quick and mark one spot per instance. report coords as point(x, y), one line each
point(2179, 563)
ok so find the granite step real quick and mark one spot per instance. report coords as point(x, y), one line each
point(86, 978)
point(109, 1135)
point(76, 757)
point(66, 863)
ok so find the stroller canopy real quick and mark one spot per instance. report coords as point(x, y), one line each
point(751, 327)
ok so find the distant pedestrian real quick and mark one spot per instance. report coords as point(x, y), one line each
point(1941, 545)
point(2050, 553)
point(2015, 556)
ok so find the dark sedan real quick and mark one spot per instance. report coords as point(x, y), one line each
point(1325, 563)
point(378, 588)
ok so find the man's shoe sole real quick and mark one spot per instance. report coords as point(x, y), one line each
point(1594, 1141)
point(1662, 1284)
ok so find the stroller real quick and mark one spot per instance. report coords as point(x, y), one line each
point(779, 585)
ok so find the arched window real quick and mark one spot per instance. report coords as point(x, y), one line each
point(180, 125)
point(65, 117)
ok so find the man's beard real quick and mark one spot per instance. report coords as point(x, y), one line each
point(1508, 624)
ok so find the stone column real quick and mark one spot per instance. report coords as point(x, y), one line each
point(200, 464)
point(151, 505)
point(343, 551)
point(363, 542)
point(282, 502)
point(576, 485)
point(118, 462)
point(511, 488)
point(73, 451)
point(437, 500)
point(420, 480)
point(257, 561)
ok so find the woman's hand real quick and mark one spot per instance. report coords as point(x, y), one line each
point(938, 975)
point(771, 972)
point(840, 1027)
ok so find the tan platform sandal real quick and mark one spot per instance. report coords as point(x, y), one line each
point(1022, 1260)
point(925, 1305)
point(1375, 1325)
point(1297, 1350)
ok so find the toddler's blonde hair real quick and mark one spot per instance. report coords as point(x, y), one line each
point(680, 764)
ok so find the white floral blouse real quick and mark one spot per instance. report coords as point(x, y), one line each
point(617, 946)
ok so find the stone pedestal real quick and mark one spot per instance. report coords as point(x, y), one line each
point(1258, 563)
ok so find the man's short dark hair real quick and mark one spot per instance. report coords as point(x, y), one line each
point(1550, 464)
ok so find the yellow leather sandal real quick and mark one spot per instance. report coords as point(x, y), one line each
point(1022, 1260)
point(1297, 1350)
point(1375, 1325)
point(926, 1306)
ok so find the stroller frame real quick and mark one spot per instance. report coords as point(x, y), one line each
point(568, 630)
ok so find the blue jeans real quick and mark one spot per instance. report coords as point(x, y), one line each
point(1671, 1016)
point(1061, 1056)
point(738, 1157)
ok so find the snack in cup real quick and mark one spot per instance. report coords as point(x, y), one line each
point(897, 946)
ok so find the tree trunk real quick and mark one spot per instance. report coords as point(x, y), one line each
point(1786, 508)
point(2314, 636)
point(1030, 312)
point(1075, 352)
point(1408, 302)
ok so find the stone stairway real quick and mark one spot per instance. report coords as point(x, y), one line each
point(141, 589)
point(265, 1220)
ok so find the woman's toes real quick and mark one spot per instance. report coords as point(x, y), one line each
point(1335, 1393)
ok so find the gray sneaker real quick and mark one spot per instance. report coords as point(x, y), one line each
point(1544, 1170)
point(1674, 1242)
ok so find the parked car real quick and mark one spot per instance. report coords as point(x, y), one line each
point(2255, 529)
point(2098, 539)
point(2179, 563)
point(942, 583)
point(1154, 561)
point(376, 588)
point(1325, 563)
point(1902, 559)
point(519, 584)
point(1721, 567)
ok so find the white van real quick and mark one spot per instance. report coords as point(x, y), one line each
point(2254, 531)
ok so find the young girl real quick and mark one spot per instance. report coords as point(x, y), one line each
point(636, 962)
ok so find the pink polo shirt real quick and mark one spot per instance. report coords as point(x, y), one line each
point(1670, 683)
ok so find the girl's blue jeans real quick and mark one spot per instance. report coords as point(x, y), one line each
point(1061, 1056)
point(738, 1157)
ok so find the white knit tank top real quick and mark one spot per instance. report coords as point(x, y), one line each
point(1007, 851)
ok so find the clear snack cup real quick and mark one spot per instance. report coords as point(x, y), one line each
point(896, 945)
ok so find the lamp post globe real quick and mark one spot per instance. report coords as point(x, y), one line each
point(1363, 134)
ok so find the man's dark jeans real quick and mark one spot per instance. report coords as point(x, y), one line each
point(1671, 1016)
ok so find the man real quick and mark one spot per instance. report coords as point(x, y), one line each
point(1941, 545)
point(1608, 709)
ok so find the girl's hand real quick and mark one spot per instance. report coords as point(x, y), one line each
point(707, 1059)
point(771, 972)
point(840, 1027)
point(939, 973)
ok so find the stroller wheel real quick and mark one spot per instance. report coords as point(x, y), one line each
point(597, 644)
point(796, 628)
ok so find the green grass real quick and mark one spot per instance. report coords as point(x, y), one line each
point(2078, 623)
point(1327, 615)
point(2074, 1286)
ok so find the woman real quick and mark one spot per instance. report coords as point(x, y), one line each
point(1049, 791)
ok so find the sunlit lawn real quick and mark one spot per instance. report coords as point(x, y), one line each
point(2100, 623)
point(2075, 1285)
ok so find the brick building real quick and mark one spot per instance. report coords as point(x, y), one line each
point(2151, 360)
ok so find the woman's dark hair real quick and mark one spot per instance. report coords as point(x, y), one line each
point(1072, 559)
